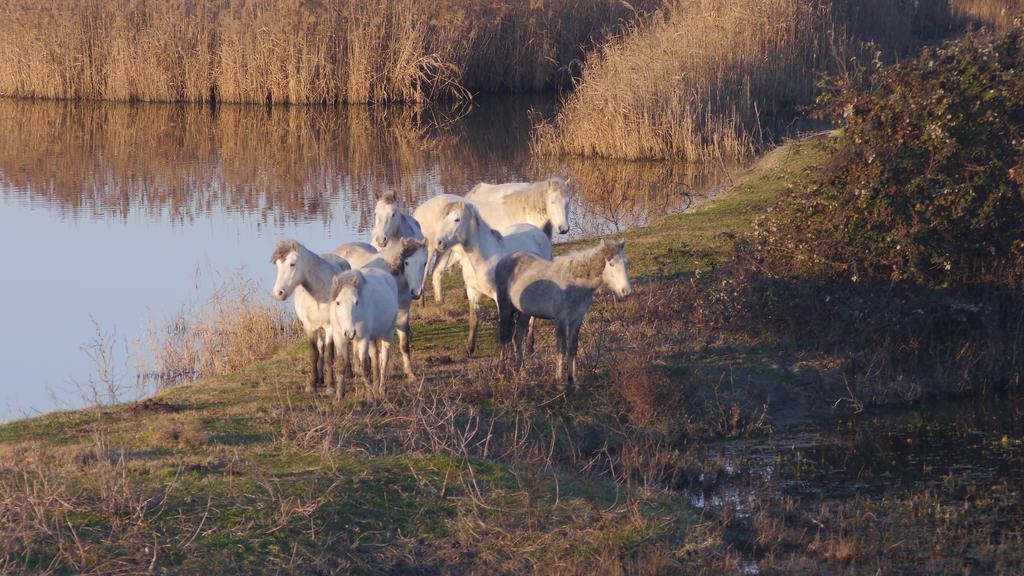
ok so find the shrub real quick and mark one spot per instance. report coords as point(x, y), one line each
point(926, 181)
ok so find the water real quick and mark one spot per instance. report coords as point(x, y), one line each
point(121, 213)
point(965, 455)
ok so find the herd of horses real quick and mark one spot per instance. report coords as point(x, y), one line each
point(353, 301)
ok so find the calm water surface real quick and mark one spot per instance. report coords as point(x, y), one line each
point(120, 213)
point(964, 454)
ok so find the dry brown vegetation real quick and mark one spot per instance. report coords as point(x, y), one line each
point(470, 471)
point(233, 327)
point(714, 80)
point(300, 52)
point(998, 13)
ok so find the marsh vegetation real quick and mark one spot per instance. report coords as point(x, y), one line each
point(818, 370)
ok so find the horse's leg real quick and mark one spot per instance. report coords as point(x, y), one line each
point(474, 319)
point(314, 361)
point(529, 335)
point(364, 363)
point(522, 322)
point(346, 348)
point(329, 364)
point(375, 368)
point(560, 338)
point(383, 356)
point(506, 328)
point(319, 369)
point(405, 342)
point(343, 348)
point(574, 343)
point(437, 276)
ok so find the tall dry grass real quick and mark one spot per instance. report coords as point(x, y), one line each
point(998, 14)
point(697, 81)
point(300, 52)
point(712, 80)
point(232, 327)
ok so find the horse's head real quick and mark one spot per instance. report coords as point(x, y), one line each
point(414, 265)
point(557, 204)
point(615, 275)
point(290, 268)
point(386, 216)
point(456, 223)
point(346, 313)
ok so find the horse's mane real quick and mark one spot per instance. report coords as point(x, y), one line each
point(394, 258)
point(284, 248)
point(469, 211)
point(534, 197)
point(589, 262)
point(347, 278)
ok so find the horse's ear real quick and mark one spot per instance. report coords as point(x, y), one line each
point(610, 248)
point(357, 279)
point(335, 287)
point(412, 244)
point(622, 246)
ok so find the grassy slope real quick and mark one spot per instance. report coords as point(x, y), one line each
point(246, 469)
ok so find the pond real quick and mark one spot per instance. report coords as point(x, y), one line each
point(114, 215)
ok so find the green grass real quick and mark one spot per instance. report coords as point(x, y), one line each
point(248, 472)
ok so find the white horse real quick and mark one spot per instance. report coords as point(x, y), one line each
point(561, 290)
point(309, 277)
point(545, 204)
point(407, 261)
point(391, 223)
point(365, 305)
point(482, 248)
point(429, 216)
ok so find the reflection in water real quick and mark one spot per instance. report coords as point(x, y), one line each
point(128, 202)
point(954, 451)
point(296, 164)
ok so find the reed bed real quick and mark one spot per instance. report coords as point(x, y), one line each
point(998, 14)
point(713, 81)
point(274, 51)
point(232, 327)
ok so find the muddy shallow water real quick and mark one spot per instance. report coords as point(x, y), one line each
point(961, 461)
point(122, 213)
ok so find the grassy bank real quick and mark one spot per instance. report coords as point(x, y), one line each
point(298, 52)
point(467, 470)
point(462, 470)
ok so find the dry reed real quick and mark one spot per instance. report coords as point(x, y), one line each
point(713, 81)
point(233, 327)
point(994, 13)
point(697, 82)
point(277, 51)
